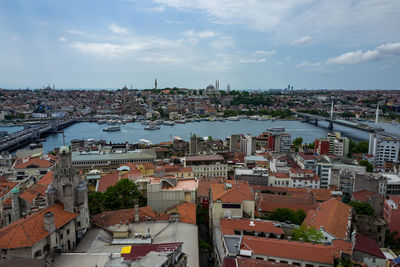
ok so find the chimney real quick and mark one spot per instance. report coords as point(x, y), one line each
point(136, 210)
point(49, 224)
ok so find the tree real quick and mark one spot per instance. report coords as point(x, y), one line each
point(297, 142)
point(362, 208)
point(120, 196)
point(367, 164)
point(287, 215)
point(308, 234)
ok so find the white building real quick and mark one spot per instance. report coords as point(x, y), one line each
point(248, 144)
point(384, 149)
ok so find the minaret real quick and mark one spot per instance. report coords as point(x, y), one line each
point(228, 88)
point(372, 136)
point(155, 84)
point(377, 116)
point(332, 111)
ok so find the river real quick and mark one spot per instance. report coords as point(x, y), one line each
point(132, 132)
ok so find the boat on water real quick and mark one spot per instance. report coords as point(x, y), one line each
point(111, 122)
point(180, 121)
point(112, 129)
point(170, 123)
point(101, 121)
point(232, 119)
point(276, 129)
point(145, 122)
point(393, 122)
point(263, 119)
point(152, 127)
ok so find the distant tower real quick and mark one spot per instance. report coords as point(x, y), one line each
point(228, 88)
point(216, 84)
point(54, 86)
point(155, 84)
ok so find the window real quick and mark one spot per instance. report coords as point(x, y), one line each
point(259, 258)
point(231, 206)
point(283, 262)
point(38, 253)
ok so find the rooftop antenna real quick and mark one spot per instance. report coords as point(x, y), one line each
point(377, 115)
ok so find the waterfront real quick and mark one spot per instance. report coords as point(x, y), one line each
point(133, 132)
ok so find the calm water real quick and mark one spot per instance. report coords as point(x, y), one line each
point(132, 132)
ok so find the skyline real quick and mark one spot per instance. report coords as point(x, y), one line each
point(247, 44)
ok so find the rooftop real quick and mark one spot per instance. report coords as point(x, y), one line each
point(296, 250)
point(367, 245)
point(235, 193)
point(136, 252)
point(29, 230)
point(215, 157)
point(333, 215)
point(228, 227)
point(137, 154)
point(270, 202)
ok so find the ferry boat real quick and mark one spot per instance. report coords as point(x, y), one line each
point(170, 123)
point(101, 121)
point(152, 127)
point(232, 119)
point(112, 129)
point(111, 122)
point(276, 129)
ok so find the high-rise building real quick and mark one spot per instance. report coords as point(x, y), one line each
point(233, 143)
point(228, 88)
point(385, 149)
point(155, 84)
point(334, 144)
point(279, 142)
point(248, 144)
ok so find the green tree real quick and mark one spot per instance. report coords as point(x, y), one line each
point(367, 164)
point(120, 196)
point(362, 208)
point(287, 215)
point(298, 141)
point(308, 234)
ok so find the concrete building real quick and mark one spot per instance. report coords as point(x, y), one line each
point(391, 213)
point(248, 144)
point(255, 176)
point(334, 144)
point(367, 251)
point(392, 183)
point(233, 143)
point(384, 149)
point(230, 200)
point(167, 192)
point(111, 160)
point(205, 166)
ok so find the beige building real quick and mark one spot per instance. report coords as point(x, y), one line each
point(230, 200)
point(167, 192)
point(205, 166)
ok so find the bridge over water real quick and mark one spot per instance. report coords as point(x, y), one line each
point(16, 140)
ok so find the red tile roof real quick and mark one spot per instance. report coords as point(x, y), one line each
point(240, 191)
point(364, 195)
point(204, 187)
point(247, 262)
point(301, 251)
point(270, 202)
point(367, 245)
point(281, 175)
point(5, 187)
point(46, 179)
point(35, 162)
point(124, 216)
point(308, 156)
point(30, 194)
point(29, 230)
point(204, 158)
point(228, 227)
point(139, 251)
point(332, 215)
point(107, 180)
point(187, 212)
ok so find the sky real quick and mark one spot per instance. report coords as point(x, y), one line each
point(249, 44)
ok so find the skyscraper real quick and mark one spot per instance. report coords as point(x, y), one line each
point(155, 84)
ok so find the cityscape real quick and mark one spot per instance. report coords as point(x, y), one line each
point(200, 133)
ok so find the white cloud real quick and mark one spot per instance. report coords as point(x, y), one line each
point(253, 60)
point(223, 42)
point(75, 32)
point(117, 29)
point(288, 58)
point(62, 39)
point(306, 40)
point(202, 34)
point(342, 21)
point(262, 52)
point(306, 64)
point(385, 51)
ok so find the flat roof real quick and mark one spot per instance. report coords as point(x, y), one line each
point(392, 178)
point(204, 157)
point(137, 154)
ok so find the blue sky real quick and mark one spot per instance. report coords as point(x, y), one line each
point(250, 44)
